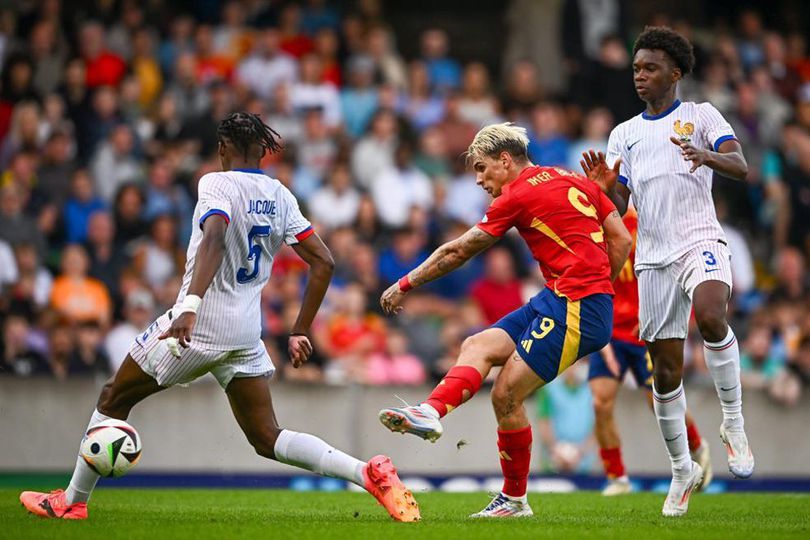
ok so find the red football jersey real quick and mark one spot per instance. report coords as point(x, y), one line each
point(625, 303)
point(559, 214)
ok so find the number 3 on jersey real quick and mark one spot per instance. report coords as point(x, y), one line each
point(255, 253)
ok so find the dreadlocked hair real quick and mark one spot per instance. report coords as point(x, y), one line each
point(671, 42)
point(243, 129)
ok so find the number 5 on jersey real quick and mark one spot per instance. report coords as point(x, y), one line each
point(255, 253)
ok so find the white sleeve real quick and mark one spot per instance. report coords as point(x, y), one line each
point(214, 197)
point(715, 130)
point(616, 149)
point(296, 226)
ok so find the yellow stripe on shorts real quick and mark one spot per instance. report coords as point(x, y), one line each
point(570, 351)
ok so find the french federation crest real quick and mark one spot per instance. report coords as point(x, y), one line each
point(684, 131)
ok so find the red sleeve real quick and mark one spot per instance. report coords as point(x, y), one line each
point(500, 217)
point(604, 206)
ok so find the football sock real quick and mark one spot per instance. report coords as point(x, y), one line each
point(612, 461)
point(84, 478)
point(670, 410)
point(723, 361)
point(693, 435)
point(459, 385)
point(515, 451)
point(313, 454)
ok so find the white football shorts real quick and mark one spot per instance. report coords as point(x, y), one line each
point(665, 294)
point(154, 358)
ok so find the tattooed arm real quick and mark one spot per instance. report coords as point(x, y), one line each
point(441, 262)
point(619, 243)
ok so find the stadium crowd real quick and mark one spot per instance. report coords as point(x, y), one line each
point(108, 119)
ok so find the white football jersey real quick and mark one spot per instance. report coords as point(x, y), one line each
point(675, 207)
point(261, 214)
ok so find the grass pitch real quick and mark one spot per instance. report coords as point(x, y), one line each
point(275, 514)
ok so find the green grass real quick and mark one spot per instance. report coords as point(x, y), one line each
point(272, 514)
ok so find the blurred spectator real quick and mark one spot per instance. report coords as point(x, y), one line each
point(190, 98)
point(565, 421)
point(389, 64)
point(163, 196)
point(159, 258)
point(8, 266)
point(465, 201)
point(337, 203)
point(750, 40)
point(596, 126)
point(608, 81)
point(48, 57)
point(108, 259)
point(432, 158)
point(457, 132)
point(793, 283)
point(316, 153)
point(212, 66)
point(400, 188)
point(139, 310)
point(89, 357)
point(115, 163)
point(419, 105)
point(102, 67)
point(81, 204)
point(375, 151)
point(444, 72)
point(548, 145)
point(16, 85)
point(584, 25)
point(523, 89)
point(327, 47)
point(77, 297)
point(34, 284)
point(407, 251)
point(293, 40)
point(268, 66)
point(179, 41)
point(351, 335)
point(742, 262)
point(317, 16)
point(128, 211)
point(758, 365)
point(785, 77)
point(120, 35)
point(15, 227)
point(395, 365)
point(312, 92)
point(146, 68)
point(498, 293)
point(478, 105)
point(55, 167)
point(793, 382)
point(359, 97)
point(23, 134)
point(20, 355)
point(231, 39)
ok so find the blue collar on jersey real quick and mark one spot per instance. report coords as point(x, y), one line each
point(672, 107)
point(254, 171)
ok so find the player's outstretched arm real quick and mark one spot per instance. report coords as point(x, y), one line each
point(728, 160)
point(619, 242)
point(206, 263)
point(596, 169)
point(321, 266)
point(444, 260)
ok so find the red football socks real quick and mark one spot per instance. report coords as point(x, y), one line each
point(612, 461)
point(515, 450)
point(459, 385)
point(693, 436)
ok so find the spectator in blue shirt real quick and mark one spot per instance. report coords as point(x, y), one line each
point(81, 204)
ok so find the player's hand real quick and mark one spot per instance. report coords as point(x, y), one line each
point(391, 299)
point(299, 348)
point(691, 153)
point(597, 170)
point(179, 333)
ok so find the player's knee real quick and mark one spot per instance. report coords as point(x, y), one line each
point(603, 406)
point(111, 402)
point(712, 323)
point(667, 376)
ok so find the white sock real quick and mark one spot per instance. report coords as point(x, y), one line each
point(723, 361)
point(313, 454)
point(84, 478)
point(670, 410)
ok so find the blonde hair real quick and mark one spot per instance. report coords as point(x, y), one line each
point(496, 138)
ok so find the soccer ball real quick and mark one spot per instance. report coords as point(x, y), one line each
point(111, 448)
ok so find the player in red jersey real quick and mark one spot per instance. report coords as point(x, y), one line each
point(580, 242)
point(609, 366)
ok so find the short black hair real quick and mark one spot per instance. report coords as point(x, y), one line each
point(243, 129)
point(671, 42)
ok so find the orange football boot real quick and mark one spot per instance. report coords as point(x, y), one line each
point(382, 481)
point(52, 505)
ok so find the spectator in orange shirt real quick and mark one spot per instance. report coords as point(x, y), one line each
point(75, 296)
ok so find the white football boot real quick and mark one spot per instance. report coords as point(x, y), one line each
point(740, 458)
point(415, 419)
point(617, 486)
point(677, 501)
point(503, 506)
point(703, 457)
